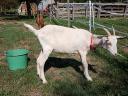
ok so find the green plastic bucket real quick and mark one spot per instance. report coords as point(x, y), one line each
point(17, 59)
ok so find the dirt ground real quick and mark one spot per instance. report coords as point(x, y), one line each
point(125, 49)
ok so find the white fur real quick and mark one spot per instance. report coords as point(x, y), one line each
point(69, 40)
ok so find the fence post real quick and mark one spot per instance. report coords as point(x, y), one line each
point(90, 16)
point(86, 9)
point(73, 11)
point(57, 15)
point(98, 12)
point(125, 10)
point(68, 13)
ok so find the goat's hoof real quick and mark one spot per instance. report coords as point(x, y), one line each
point(45, 82)
point(89, 79)
point(37, 74)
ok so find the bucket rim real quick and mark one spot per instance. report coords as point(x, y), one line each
point(12, 52)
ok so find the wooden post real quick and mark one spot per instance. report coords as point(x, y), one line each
point(57, 15)
point(50, 12)
point(73, 11)
point(98, 12)
point(68, 13)
point(28, 8)
point(125, 11)
point(86, 11)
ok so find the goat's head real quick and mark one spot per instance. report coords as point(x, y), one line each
point(110, 42)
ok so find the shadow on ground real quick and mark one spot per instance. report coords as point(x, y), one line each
point(66, 62)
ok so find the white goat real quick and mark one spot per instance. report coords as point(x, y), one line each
point(69, 40)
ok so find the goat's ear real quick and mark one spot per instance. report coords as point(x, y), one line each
point(121, 37)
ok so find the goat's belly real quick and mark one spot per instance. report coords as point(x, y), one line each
point(65, 51)
point(68, 48)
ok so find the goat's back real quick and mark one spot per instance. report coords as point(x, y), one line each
point(65, 39)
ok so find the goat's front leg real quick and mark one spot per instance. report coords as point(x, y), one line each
point(85, 64)
point(41, 62)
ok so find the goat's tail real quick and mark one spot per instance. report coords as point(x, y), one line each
point(31, 28)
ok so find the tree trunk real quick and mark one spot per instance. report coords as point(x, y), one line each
point(28, 8)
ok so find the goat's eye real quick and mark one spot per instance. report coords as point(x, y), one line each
point(109, 43)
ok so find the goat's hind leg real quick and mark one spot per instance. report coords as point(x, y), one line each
point(85, 64)
point(41, 61)
point(38, 62)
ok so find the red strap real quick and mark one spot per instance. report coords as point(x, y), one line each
point(92, 43)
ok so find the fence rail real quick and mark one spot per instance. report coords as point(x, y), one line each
point(100, 10)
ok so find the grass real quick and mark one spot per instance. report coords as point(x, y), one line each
point(110, 74)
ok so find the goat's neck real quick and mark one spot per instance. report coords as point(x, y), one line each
point(97, 41)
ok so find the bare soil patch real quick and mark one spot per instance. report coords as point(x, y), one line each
point(125, 49)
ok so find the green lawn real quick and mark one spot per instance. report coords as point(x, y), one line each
point(110, 74)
